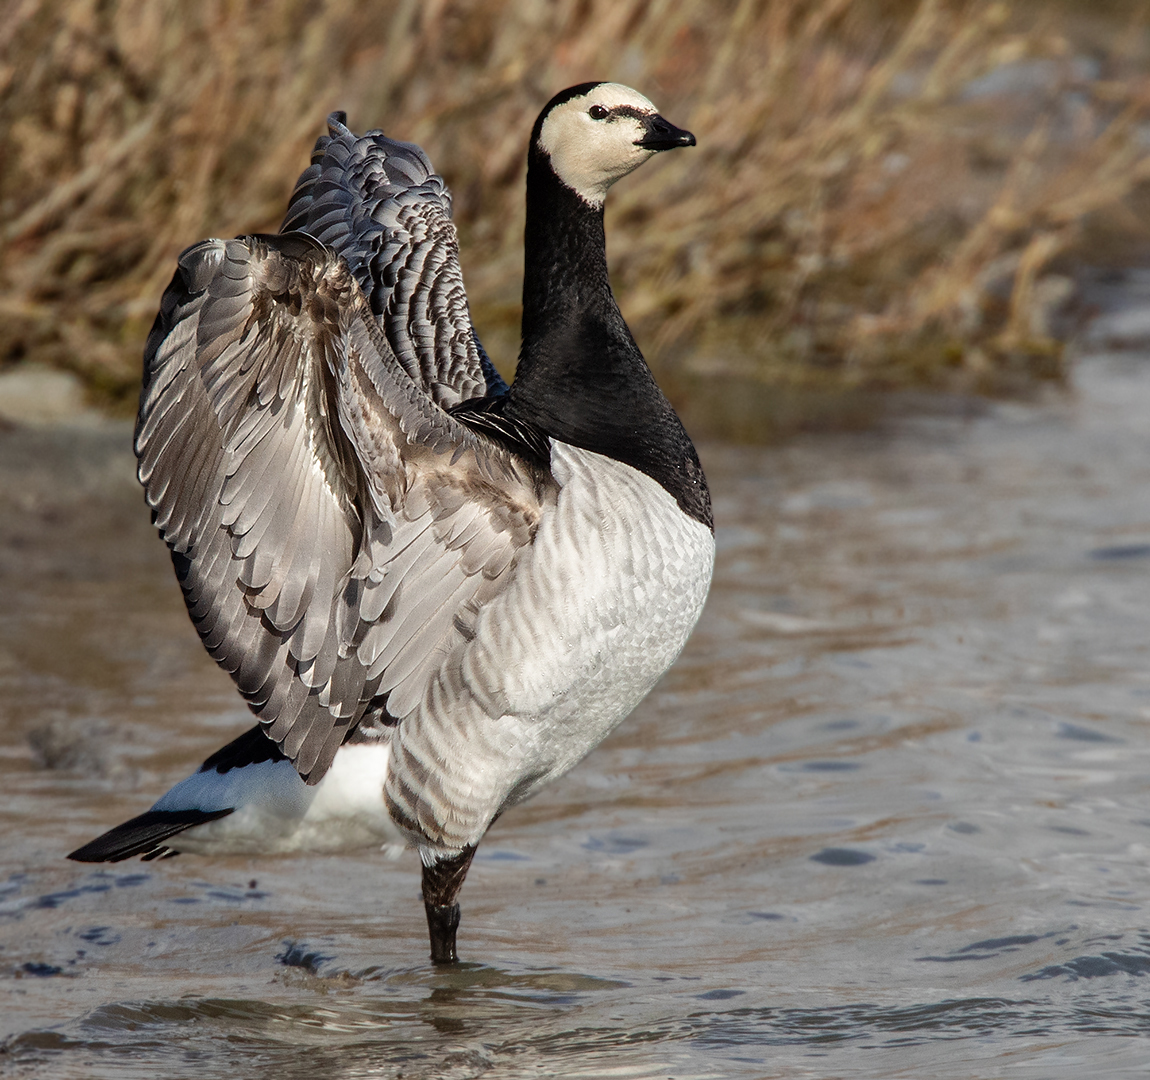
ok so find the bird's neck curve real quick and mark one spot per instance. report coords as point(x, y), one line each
point(581, 378)
point(565, 280)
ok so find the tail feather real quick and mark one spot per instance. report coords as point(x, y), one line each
point(143, 835)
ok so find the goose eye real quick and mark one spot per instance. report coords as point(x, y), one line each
point(598, 112)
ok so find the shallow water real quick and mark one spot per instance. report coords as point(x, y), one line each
point(889, 815)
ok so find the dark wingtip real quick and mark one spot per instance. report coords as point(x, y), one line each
point(143, 835)
point(251, 748)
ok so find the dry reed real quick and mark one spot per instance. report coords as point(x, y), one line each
point(867, 206)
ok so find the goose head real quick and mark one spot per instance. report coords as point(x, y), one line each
point(596, 133)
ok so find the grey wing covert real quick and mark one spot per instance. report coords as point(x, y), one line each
point(331, 526)
point(380, 204)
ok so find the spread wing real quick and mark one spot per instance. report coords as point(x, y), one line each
point(334, 530)
point(379, 204)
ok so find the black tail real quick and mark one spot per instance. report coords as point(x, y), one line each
point(144, 835)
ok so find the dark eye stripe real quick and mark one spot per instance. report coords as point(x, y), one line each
point(601, 112)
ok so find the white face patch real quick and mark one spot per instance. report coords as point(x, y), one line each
point(589, 155)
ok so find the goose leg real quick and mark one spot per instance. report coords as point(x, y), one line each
point(441, 884)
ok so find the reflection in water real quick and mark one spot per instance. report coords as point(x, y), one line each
point(888, 815)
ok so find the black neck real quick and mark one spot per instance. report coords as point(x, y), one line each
point(581, 377)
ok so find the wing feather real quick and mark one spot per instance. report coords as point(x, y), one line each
point(333, 529)
point(379, 204)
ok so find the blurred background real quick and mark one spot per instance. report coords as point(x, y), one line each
point(885, 195)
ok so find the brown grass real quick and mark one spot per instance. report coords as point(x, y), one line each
point(856, 213)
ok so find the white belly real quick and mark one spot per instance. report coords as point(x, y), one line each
point(276, 812)
point(616, 580)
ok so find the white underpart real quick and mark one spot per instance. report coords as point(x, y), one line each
point(600, 606)
point(589, 155)
point(275, 811)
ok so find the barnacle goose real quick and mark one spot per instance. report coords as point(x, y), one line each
point(436, 592)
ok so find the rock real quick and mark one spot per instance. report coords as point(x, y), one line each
point(32, 394)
